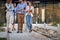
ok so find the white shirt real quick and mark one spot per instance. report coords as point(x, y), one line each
point(9, 7)
point(32, 8)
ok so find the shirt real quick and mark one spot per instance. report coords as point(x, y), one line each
point(15, 10)
point(21, 6)
point(32, 10)
point(9, 7)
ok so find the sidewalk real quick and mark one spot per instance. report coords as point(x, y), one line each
point(25, 35)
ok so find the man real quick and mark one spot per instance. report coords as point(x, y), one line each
point(20, 10)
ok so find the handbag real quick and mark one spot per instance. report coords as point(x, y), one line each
point(31, 15)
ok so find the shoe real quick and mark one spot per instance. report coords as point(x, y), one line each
point(19, 32)
point(30, 31)
point(9, 32)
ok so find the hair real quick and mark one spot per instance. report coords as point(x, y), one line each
point(9, 1)
point(24, 0)
point(14, 2)
point(30, 2)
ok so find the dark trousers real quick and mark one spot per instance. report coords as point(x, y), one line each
point(20, 21)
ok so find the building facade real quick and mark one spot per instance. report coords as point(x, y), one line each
point(43, 12)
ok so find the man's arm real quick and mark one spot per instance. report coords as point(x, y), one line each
point(17, 9)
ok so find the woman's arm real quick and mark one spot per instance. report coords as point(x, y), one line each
point(7, 6)
point(11, 7)
point(32, 9)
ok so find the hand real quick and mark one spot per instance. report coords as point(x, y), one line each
point(22, 10)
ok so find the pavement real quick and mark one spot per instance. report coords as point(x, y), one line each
point(25, 35)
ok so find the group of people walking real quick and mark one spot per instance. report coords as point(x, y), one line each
point(23, 11)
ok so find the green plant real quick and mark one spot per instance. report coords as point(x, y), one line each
point(54, 24)
point(2, 29)
point(1, 17)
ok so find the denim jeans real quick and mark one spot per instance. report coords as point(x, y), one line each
point(29, 22)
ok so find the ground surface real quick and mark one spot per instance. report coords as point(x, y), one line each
point(25, 35)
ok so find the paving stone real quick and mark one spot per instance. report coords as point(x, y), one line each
point(27, 36)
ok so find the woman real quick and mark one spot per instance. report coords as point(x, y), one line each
point(9, 15)
point(29, 15)
point(25, 27)
point(14, 15)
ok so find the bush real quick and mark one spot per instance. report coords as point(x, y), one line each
point(1, 17)
point(54, 24)
point(1, 24)
point(2, 29)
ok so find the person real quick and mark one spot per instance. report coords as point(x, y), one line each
point(9, 15)
point(14, 4)
point(20, 10)
point(29, 15)
point(25, 26)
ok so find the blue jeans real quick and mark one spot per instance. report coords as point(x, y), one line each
point(29, 22)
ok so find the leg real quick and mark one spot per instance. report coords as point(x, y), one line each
point(13, 23)
point(19, 23)
point(25, 26)
point(30, 23)
point(7, 18)
point(22, 21)
point(27, 21)
point(8, 22)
